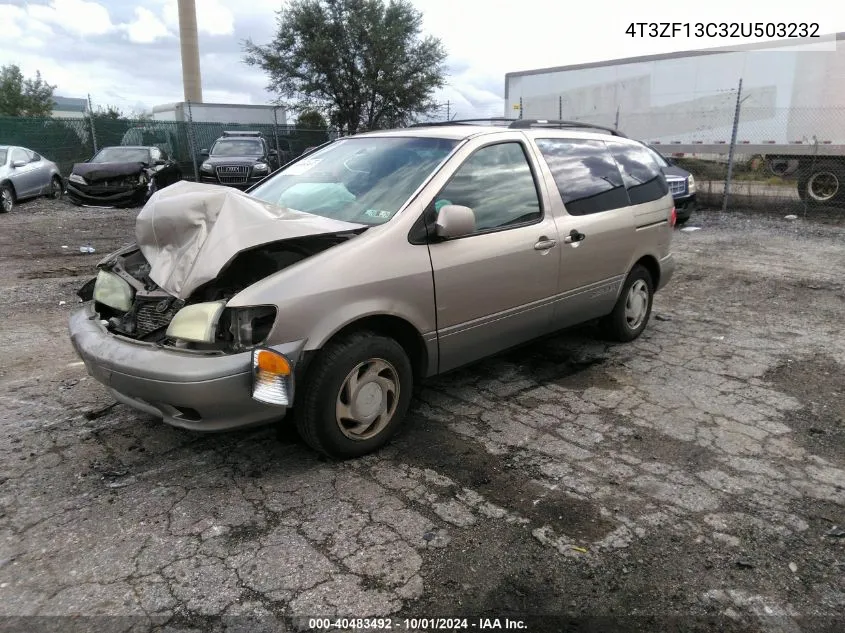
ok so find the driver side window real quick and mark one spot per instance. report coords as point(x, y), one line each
point(19, 155)
point(497, 184)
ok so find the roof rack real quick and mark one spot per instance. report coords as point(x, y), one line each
point(463, 122)
point(241, 133)
point(523, 124)
point(532, 123)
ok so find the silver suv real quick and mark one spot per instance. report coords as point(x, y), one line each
point(338, 283)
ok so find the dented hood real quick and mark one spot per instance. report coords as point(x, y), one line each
point(189, 231)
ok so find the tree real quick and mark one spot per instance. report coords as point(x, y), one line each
point(109, 113)
point(311, 120)
point(24, 97)
point(364, 61)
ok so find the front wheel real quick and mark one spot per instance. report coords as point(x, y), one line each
point(633, 308)
point(355, 396)
point(55, 191)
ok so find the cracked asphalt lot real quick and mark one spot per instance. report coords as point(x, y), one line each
point(696, 474)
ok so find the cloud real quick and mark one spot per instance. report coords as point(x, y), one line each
point(146, 28)
point(212, 17)
point(79, 17)
point(126, 53)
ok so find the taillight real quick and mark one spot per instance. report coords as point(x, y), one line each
point(673, 218)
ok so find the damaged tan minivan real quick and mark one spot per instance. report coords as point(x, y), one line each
point(340, 281)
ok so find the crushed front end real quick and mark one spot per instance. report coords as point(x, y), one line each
point(189, 362)
point(115, 190)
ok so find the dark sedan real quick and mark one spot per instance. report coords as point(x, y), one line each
point(122, 176)
point(681, 184)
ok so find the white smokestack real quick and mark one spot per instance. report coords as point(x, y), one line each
point(189, 40)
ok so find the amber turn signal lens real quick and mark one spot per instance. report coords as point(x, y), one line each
point(272, 363)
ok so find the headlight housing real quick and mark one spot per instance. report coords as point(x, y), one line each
point(206, 166)
point(113, 291)
point(196, 323)
point(691, 184)
point(250, 326)
point(260, 167)
point(79, 180)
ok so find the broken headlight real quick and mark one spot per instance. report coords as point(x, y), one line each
point(113, 291)
point(197, 322)
point(79, 180)
point(251, 326)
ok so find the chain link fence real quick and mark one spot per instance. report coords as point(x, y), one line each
point(69, 141)
point(789, 160)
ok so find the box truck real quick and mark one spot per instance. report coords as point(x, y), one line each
point(791, 110)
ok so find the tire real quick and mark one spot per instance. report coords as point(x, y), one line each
point(56, 189)
point(7, 198)
point(619, 325)
point(326, 396)
point(824, 186)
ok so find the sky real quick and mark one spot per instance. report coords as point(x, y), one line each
point(126, 53)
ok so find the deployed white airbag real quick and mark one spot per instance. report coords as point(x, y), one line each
point(189, 231)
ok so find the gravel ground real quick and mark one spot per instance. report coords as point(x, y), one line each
point(691, 480)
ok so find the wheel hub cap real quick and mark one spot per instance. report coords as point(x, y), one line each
point(636, 304)
point(367, 399)
point(368, 402)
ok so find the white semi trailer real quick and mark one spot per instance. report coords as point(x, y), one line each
point(792, 108)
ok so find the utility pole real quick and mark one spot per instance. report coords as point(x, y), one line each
point(731, 149)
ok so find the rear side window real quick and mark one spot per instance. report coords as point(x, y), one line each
point(640, 172)
point(585, 174)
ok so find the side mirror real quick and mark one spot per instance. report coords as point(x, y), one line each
point(19, 163)
point(203, 152)
point(453, 220)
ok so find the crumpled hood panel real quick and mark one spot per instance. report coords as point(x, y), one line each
point(189, 231)
point(93, 172)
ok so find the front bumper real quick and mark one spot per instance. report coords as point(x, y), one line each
point(93, 195)
point(684, 206)
point(196, 391)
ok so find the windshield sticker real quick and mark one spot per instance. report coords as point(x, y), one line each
point(375, 213)
point(301, 167)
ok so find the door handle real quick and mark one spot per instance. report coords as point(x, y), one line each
point(544, 244)
point(574, 236)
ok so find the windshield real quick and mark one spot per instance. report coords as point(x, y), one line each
point(238, 147)
point(658, 157)
point(122, 155)
point(362, 180)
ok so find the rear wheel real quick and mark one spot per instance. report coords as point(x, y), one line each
point(633, 308)
point(7, 199)
point(824, 186)
point(355, 396)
